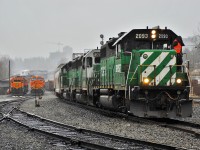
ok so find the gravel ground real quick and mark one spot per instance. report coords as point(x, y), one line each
point(3, 97)
point(196, 114)
point(14, 137)
point(55, 109)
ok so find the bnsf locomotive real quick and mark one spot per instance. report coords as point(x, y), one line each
point(135, 72)
point(18, 85)
point(37, 85)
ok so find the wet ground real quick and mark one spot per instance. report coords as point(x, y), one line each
point(14, 137)
point(55, 109)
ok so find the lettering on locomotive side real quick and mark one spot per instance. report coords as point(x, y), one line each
point(103, 71)
point(118, 68)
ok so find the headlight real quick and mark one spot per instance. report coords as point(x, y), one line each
point(178, 81)
point(146, 80)
point(153, 32)
point(153, 36)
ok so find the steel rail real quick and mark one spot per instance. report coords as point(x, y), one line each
point(82, 137)
point(11, 106)
point(184, 126)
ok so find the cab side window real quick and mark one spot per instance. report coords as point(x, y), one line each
point(97, 60)
point(89, 62)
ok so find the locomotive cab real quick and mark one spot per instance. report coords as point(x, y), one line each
point(87, 77)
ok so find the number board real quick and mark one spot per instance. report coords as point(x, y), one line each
point(142, 36)
point(147, 36)
point(163, 36)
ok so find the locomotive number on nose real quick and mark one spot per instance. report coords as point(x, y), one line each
point(163, 36)
point(141, 36)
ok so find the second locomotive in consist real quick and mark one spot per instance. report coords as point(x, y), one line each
point(37, 85)
point(135, 72)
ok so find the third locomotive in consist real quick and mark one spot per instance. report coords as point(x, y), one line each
point(135, 72)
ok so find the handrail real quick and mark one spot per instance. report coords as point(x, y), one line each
point(189, 79)
point(134, 73)
point(128, 73)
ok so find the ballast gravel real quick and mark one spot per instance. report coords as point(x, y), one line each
point(13, 137)
point(196, 114)
point(53, 108)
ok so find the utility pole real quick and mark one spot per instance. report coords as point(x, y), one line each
point(9, 73)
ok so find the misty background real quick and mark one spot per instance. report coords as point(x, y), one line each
point(41, 34)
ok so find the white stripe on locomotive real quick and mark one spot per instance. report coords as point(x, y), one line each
point(142, 60)
point(173, 79)
point(167, 69)
point(156, 62)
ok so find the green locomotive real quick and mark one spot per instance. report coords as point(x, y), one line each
point(135, 72)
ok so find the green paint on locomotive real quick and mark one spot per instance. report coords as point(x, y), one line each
point(78, 77)
point(159, 67)
point(96, 75)
point(64, 81)
point(111, 73)
point(71, 78)
point(107, 71)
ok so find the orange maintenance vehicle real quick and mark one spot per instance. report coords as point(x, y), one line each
point(37, 85)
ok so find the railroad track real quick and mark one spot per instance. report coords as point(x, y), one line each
point(174, 124)
point(7, 106)
point(184, 126)
point(81, 137)
point(1, 117)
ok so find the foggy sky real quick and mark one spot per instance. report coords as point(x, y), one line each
point(31, 28)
